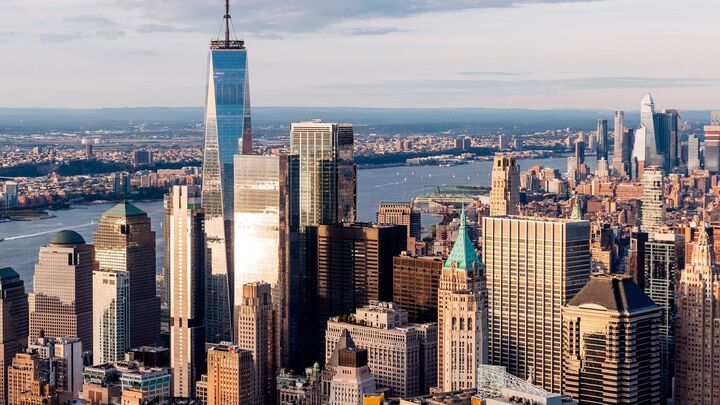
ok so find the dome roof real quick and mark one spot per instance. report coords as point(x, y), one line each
point(67, 238)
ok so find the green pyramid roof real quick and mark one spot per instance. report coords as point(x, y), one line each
point(123, 210)
point(463, 253)
point(7, 273)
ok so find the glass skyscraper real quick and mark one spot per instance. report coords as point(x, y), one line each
point(227, 133)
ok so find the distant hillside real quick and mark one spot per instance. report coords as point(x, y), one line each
point(384, 120)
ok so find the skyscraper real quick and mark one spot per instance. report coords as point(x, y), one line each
point(230, 378)
point(697, 331)
point(462, 316)
point(612, 354)
point(125, 242)
point(712, 147)
point(415, 286)
point(328, 189)
point(580, 149)
point(652, 209)
point(400, 213)
point(111, 315)
point(664, 261)
point(61, 301)
point(693, 145)
point(13, 324)
point(602, 140)
point(622, 147)
point(505, 192)
point(186, 265)
point(668, 125)
point(533, 267)
point(267, 241)
point(654, 144)
point(353, 378)
point(227, 133)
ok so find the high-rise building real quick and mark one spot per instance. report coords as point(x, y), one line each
point(61, 301)
point(664, 261)
point(402, 356)
point(693, 146)
point(111, 315)
point(267, 241)
point(125, 242)
point(503, 142)
point(601, 148)
point(580, 149)
point(416, 280)
point(256, 334)
point(655, 147)
point(712, 147)
point(622, 147)
point(400, 213)
point(328, 186)
point(505, 192)
point(25, 369)
point(186, 265)
point(230, 378)
point(354, 266)
point(13, 323)
point(353, 378)
point(227, 133)
point(668, 127)
point(652, 208)
point(534, 266)
point(462, 315)
point(697, 331)
point(63, 357)
point(612, 354)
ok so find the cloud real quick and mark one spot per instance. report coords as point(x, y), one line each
point(493, 73)
point(258, 16)
point(373, 31)
point(143, 52)
point(95, 20)
point(110, 34)
point(158, 28)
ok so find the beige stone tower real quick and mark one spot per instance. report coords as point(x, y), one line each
point(505, 193)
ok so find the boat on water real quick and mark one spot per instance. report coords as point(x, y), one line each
point(2, 239)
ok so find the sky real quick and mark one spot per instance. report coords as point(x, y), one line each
point(540, 54)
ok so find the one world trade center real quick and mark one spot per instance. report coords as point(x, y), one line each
point(227, 133)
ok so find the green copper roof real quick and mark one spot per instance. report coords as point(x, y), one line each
point(463, 253)
point(124, 209)
point(577, 212)
point(67, 238)
point(7, 273)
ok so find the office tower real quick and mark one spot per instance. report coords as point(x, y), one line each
point(534, 266)
point(165, 271)
point(602, 169)
point(505, 192)
point(353, 378)
point(416, 280)
point(61, 301)
point(354, 266)
point(267, 241)
point(612, 354)
point(111, 315)
point(400, 213)
point(652, 208)
point(462, 315)
point(712, 147)
point(402, 356)
point(693, 160)
point(186, 265)
point(664, 261)
point(622, 147)
point(668, 127)
point(24, 370)
point(697, 331)
point(654, 152)
point(64, 358)
point(88, 151)
point(142, 157)
point(580, 149)
point(601, 149)
point(14, 323)
point(256, 334)
point(230, 378)
point(503, 142)
point(328, 189)
point(125, 242)
point(227, 133)
point(639, 153)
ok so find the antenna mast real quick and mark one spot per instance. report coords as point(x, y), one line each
point(227, 21)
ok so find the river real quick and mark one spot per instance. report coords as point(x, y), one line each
point(24, 238)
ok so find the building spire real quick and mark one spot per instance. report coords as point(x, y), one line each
point(702, 251)
point(227, 21)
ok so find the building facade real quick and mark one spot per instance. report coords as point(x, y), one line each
point(622, 147)
point(353, 378)
point(230, 378)
point(613, 353)
point(111, 315)
point(61, 301)
point(505, 192)
point(697, 330)
point(13, 324)
point(186, 265)
point(462, 315)
point(652, 208)
point(416, 280)
point(601, 148)
point(402, 356)
point(125, 242)
point(400, 213)
point(533, 267)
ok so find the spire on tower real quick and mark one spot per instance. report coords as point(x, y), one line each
point(225, 42)
point(227, 21)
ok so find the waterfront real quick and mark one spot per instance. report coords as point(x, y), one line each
point(24, 238)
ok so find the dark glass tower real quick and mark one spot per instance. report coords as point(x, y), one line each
point(227, 133)
point(602, 140)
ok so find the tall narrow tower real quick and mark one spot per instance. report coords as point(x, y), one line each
point(621, 150)
point(227, 133)
point(505, 192)
point(602, 140)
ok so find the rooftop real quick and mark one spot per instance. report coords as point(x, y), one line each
point(67, 237)
point(123, 210)
point(8, 273)
point(463, 253)
point(615, 293)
